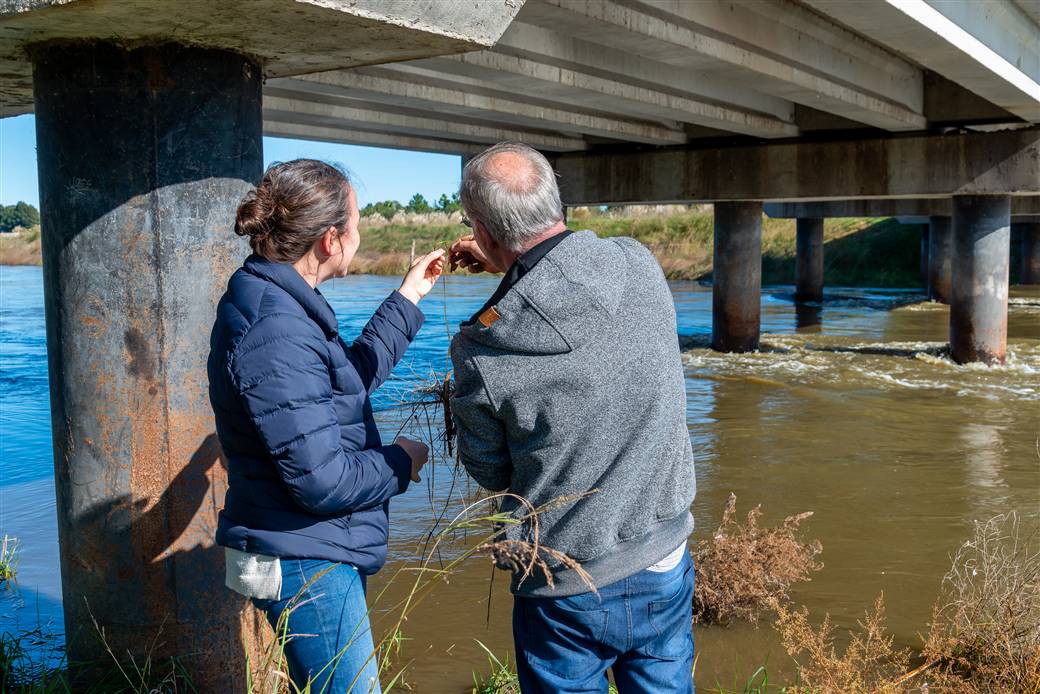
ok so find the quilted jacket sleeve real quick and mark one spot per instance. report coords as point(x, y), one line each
point(284, 384)
point(384, 340)
point(483, 448)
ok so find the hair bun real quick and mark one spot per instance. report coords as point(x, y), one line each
point(255, 215)
point(294, 204)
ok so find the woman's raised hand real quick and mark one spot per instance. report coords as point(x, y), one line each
point(418, 452)
point(422, 275)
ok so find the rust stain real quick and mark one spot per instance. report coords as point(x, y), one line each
point(141, 362)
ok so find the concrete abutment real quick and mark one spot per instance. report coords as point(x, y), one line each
point(143, 155)
point(979, 297)
point(737, 277)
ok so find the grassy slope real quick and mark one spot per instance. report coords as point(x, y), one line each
point(858, 252)
point(20, 249)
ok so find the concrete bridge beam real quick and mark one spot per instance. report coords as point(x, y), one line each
point(940, 258)
point(913, 166)
point(737, 277)
point(1029, 233)
point(809, 249)
point(979, 298)
point(143, 155)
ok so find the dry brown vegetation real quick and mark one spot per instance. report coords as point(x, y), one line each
point(745, 569)
point(984, 636)
point(21, 247)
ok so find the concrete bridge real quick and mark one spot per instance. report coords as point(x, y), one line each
point(149, 122)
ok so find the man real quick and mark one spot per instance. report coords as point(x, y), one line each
point(569, 388)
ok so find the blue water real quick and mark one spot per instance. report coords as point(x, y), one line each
point(895, 453)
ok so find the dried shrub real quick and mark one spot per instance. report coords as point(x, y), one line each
point(985, 635)
point(744, 569)
point(868, 665)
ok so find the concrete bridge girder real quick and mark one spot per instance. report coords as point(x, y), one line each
point(990, 48)
point(909, 166)
point(412, 88)
point(729, 38)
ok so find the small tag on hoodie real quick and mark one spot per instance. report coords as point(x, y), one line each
point(488, 318)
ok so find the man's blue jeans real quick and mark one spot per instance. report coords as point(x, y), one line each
point(641, 627)
point(330, 641)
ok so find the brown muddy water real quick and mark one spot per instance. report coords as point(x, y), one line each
point(850, 410)
point(860, 418)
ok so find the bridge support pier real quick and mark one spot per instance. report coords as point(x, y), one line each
point(737, 277)
point(143, 155)
point(940, 258)
point(809, 245)
point(981, 255)
point(1029, 234)
point(925, 241)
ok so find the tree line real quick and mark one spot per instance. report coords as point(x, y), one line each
point(21, 214)
point(417, 205)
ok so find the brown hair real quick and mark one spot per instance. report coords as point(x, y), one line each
point(295, 203)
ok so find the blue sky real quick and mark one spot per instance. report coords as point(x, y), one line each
point(379, 174)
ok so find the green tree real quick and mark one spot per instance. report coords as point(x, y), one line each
point(387, 208)
point(418, 204)
point(449, 205)
point(21, 214)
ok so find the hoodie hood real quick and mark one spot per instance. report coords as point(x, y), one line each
point(563, 301)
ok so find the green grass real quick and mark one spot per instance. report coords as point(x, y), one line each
point(8, 559)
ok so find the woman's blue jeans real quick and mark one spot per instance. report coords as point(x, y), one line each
point(641, 627)
point(329, 639)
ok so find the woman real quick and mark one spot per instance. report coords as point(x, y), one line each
point(309, 479)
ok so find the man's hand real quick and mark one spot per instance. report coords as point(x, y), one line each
point(422, 276)
point(418, 452)
point(466, 253)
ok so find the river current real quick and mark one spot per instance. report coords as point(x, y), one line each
point(851, 410)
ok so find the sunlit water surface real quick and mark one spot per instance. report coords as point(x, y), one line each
point(851, 410)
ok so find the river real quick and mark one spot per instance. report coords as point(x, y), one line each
point(850, 411)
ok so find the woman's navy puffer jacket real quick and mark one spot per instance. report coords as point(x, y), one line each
point(308, 475)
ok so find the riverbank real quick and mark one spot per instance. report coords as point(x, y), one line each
point(858, 252)
point(21, 247)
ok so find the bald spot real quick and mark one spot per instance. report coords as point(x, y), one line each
point(513, 171)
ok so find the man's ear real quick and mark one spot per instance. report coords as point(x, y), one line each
point(486, 242)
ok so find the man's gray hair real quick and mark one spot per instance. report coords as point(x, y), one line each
point(516, 207)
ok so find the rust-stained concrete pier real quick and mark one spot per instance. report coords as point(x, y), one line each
point(817, 108)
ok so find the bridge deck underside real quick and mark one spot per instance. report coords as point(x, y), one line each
point(578, 76)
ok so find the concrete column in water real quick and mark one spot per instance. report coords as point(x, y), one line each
point(940, 258)
point(737, 277)
point(979, 300)
point(143, 155)
point(809, 282)
point(925, 233)
point(1029, 235)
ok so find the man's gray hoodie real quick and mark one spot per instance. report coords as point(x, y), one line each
point(571, 385)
